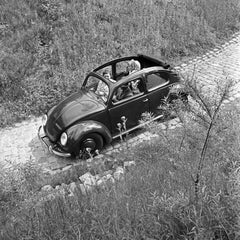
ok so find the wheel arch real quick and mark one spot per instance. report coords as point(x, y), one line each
point(77, 132)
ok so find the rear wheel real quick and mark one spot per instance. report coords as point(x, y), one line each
point(89, 144)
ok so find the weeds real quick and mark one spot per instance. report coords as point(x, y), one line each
point(202, 151)
point(156, 200)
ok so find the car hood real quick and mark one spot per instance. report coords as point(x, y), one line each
point(76, 107)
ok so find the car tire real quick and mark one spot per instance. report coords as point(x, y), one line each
point(88, 145)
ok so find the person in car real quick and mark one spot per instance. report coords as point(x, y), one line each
point(107, 75)
point(102, 88)
point(133, 66)
point(130, 89)
point(134, 87)
point(126, 92)
point(122, 92)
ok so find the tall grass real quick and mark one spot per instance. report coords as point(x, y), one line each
point(48, 47)
point(158, 199)
point(154, 201)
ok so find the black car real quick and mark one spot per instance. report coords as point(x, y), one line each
point(104, 109)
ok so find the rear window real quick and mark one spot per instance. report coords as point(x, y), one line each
point(155, 80)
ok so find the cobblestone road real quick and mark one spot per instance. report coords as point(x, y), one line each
point(20, 143)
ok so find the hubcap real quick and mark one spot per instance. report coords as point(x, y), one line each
point(89, 143)
point(87, 149)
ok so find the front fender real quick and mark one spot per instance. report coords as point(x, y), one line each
point(78, 131)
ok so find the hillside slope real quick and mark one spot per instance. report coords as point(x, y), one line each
point(48, 46)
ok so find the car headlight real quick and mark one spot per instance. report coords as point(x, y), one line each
point(63, 139)
point(44, 119)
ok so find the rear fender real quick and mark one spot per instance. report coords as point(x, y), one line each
point(78, 131)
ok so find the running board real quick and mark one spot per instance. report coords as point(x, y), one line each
point(138, 126)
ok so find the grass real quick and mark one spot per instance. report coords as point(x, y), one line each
point(48, 47)
point(156, 200)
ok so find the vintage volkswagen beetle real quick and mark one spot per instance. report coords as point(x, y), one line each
point(91, 118)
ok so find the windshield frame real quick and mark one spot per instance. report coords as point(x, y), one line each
point(103, 80)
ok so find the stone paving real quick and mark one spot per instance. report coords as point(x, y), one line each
point(220, 63)
point(20, 143)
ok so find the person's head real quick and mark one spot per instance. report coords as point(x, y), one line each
point(106, 74)
point(130, 66)
point(137, 65)
point(133, 66)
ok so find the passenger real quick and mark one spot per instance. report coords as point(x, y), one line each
point(107, 75)
point(134, 87)
point(137, 66)
point(130, 66)
point(102, 89)
point(117, 95)
point(133, 66)
point(122, 92)
point(126, 92)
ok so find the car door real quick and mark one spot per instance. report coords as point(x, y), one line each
point(130, 107)
point(157, 84)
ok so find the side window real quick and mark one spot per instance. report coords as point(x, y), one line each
point(125, 91)
point(155, 80)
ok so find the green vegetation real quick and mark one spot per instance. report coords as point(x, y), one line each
point(47, 47)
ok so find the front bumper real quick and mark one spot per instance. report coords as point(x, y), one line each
point(53, 148)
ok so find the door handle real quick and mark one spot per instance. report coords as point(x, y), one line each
point(145, 100)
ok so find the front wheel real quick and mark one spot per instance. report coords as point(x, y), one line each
point(89, 144)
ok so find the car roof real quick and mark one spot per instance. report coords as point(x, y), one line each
point(145, 61)
point(132, 76)
point(137, 74)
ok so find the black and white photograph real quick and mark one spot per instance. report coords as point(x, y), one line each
point(119, 120)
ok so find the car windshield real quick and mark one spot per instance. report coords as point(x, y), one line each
point(98, 87)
